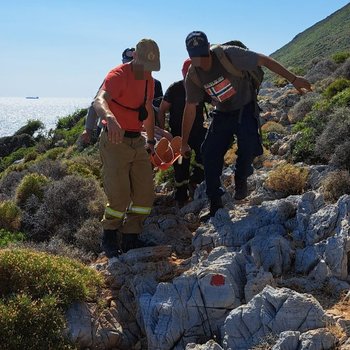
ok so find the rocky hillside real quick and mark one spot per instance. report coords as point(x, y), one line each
point(269, 272)
point(323, 39)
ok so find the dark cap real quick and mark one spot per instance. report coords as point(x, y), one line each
point(197, 44)
point(127, 55)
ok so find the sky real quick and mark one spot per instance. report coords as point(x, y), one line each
point(65, 48)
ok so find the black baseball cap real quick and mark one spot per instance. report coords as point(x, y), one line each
point(127, 55)
point(197, 44)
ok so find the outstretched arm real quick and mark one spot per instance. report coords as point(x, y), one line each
point(299, 82)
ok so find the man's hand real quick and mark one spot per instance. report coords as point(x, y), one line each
point(150, 148)
point(301, 84)
point(86, 136)
point(185, 150)
point(115, 132)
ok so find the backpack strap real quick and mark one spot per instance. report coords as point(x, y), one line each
point(192, 73)
point(226, 63)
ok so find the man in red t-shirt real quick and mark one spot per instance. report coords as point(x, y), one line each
point(125, 102)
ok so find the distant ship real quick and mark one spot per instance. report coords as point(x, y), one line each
point(32, 97)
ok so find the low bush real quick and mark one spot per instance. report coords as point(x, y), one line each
point(8, 237)
point(58, 247)
point(335, 184)
point(89, 236)
point(341, 99)
point(341, 57)
point(35, 290)
point(341, 156)
point(9, 183)
point(17, 155)
point(287, 179)
point(343, 71)
point(32, 324)
point(70, 128)
point(311, 127)
point(39, 274)
point(272, 126)
point(332, 145)
point(31, 184)
point(298, 112)
point(10, 215)
point(31, 127)
point(53, 153)
point(67, 203)
point(336, 87)
point(55, 170)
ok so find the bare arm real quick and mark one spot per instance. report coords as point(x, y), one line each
point(163, 109)
point(187, 122)
point(115, 132)
point(299, 83)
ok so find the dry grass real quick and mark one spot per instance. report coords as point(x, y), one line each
point(287, 179)
point(230, 156)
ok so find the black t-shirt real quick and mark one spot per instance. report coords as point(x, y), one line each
point(176, 96)
point(158, 93)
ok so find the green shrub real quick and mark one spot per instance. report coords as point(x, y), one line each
point(341, 99)
point(53, 153)
point(304, 106)
point(20, 153)
point(35, 290)
point(78, 169)
point(10, 215)
point(287, 179)
point(333, 143)
point(341, 57)
point(272, 126)
point(70, 128)
point(7, 237)
point(336, 87)
point(39, 274)
point(89, 236)
point(33, 155)
point(66, 205)
point(310, 127)
point(71, 120)
point(31, 127)
point(303, 150)
point(335, 184)
point(32, 324)
point(31, 184)
point(91, 162)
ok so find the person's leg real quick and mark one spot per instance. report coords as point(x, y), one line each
point(116, 167)
point(182, 172)
point(215, 145)
point(249, 146)
point(142, 195)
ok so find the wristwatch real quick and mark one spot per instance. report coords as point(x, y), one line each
point(151, 142)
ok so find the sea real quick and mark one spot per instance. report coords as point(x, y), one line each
point(16, 111)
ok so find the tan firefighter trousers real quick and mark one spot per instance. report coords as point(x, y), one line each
point(128, 184)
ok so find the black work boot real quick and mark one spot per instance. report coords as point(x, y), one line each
point(241, 188)
point(215, 205)
point(110, 244)
point(131, 241)
point(181, 195)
